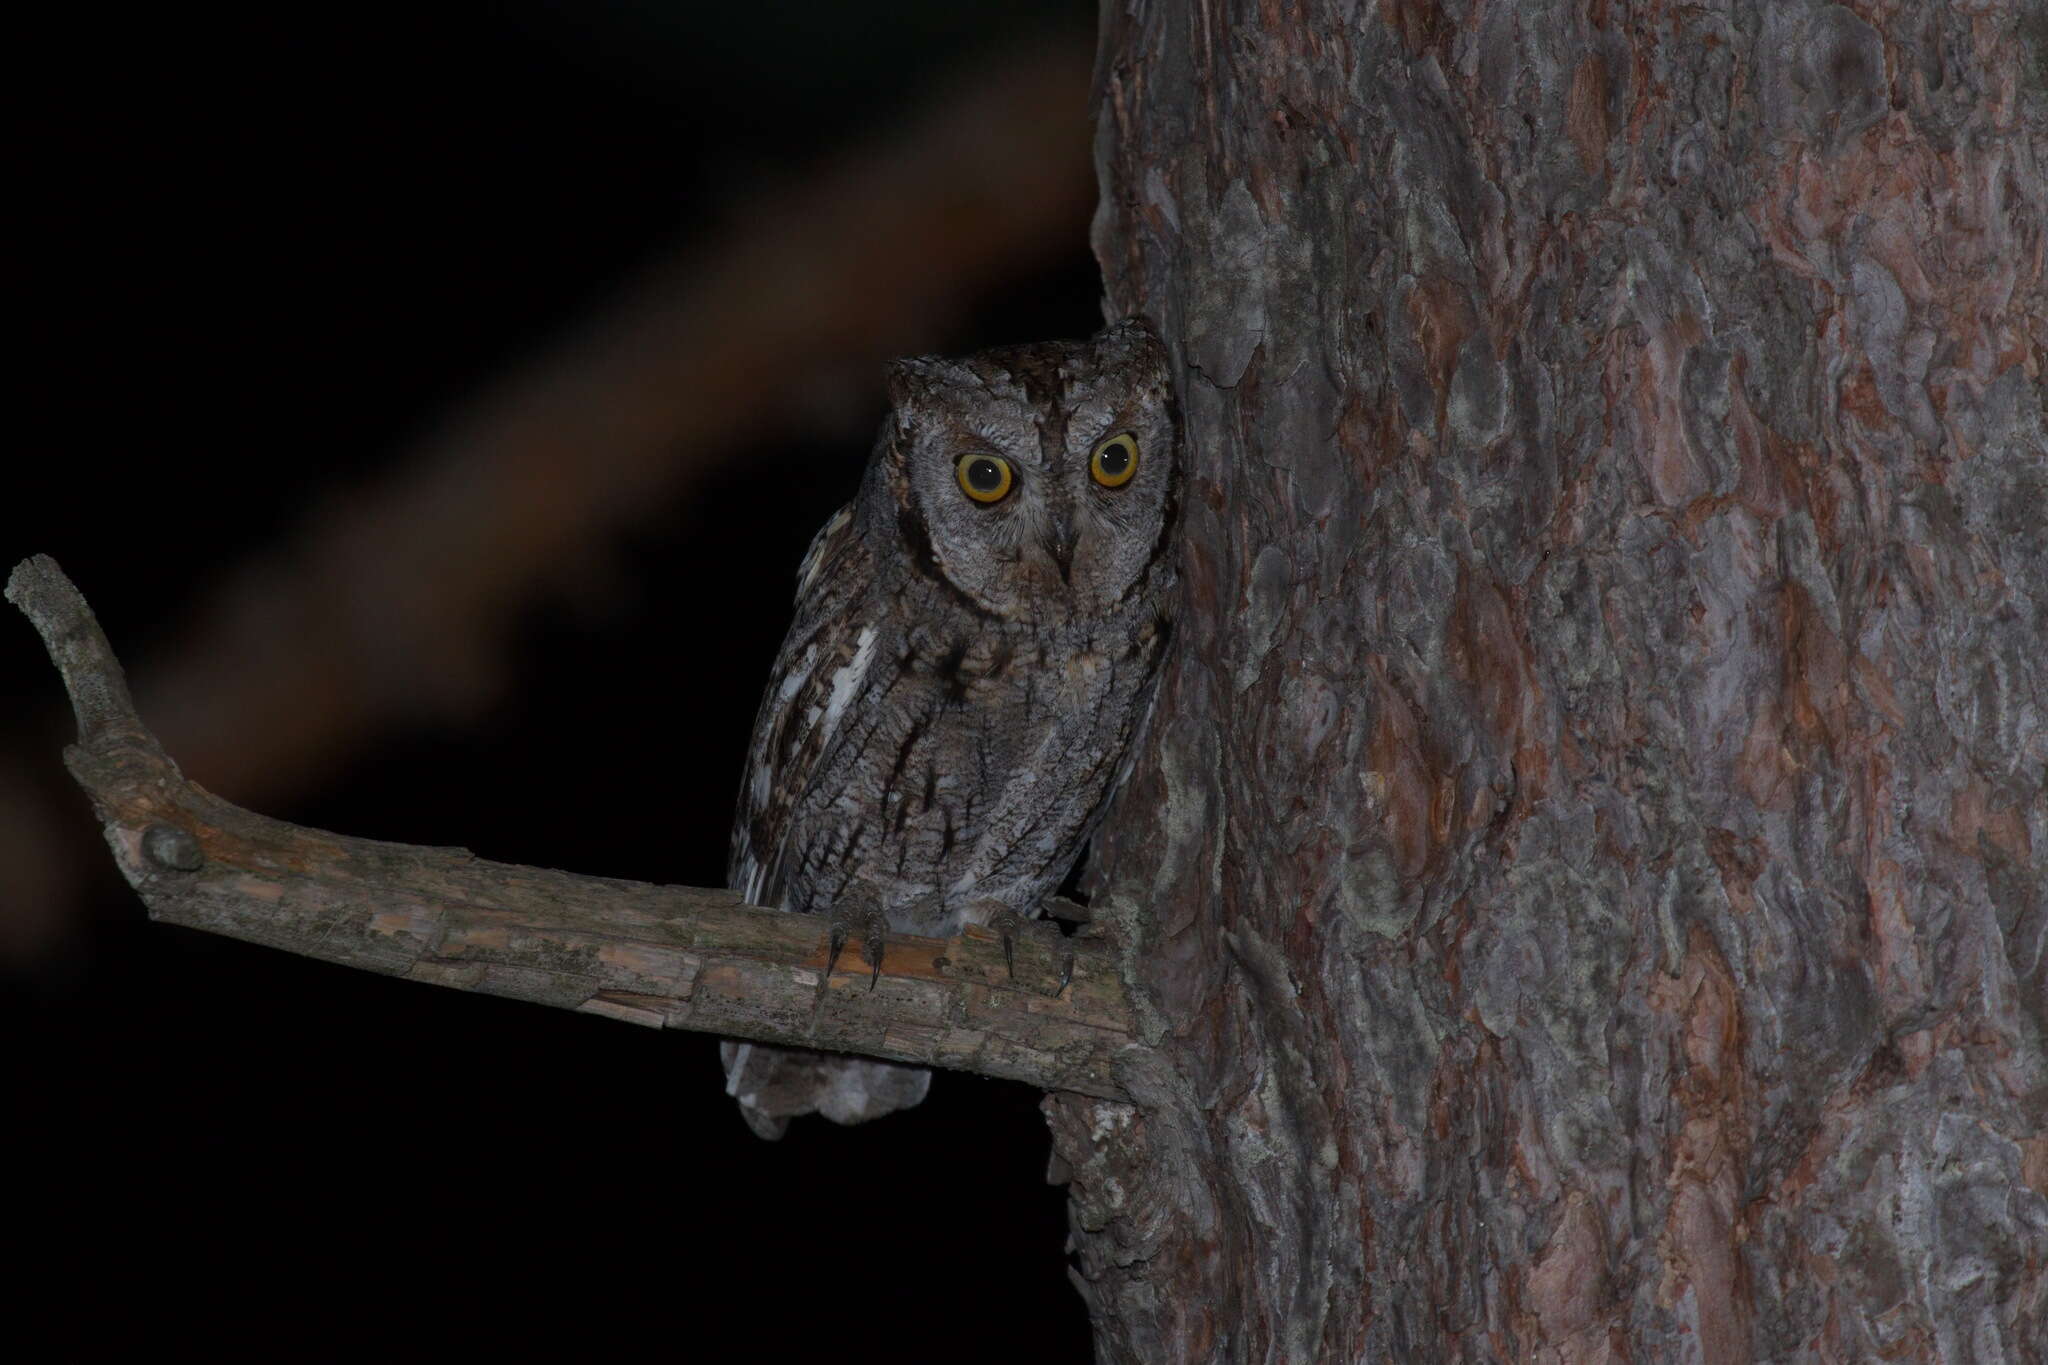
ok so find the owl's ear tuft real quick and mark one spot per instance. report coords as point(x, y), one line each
point(912, 378)
point(1133, 327)
point(1134, 336)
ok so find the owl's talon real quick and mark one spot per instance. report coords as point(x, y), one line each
point(1013, 926)
point(856, 915)
point(1008, 923)
point(835, 940)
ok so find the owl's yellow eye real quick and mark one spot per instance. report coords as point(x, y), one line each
point(1115, 460)
point(985, 478)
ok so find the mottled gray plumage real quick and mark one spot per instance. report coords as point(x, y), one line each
point(964, 679)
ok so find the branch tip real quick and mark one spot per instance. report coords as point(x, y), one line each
point(92, 676)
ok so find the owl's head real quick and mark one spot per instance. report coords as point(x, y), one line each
point(1038, 481)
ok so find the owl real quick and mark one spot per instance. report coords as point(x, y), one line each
point(976, 642)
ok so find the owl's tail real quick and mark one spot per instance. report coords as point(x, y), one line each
point(777, 1084)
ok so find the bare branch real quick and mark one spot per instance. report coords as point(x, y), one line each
point(673, 957)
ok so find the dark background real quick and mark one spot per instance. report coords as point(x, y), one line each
point(256, 257)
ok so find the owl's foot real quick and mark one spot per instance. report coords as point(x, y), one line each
point(855, 914)
point(1013, 926)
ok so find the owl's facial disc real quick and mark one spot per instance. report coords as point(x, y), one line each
point(1037, 482)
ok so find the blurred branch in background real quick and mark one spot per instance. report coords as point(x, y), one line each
point(397, 599)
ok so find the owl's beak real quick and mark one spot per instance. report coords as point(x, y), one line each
point(1059, 542)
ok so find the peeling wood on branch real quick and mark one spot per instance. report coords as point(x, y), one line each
point(671, 957)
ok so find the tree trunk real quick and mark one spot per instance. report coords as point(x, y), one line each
point(1596, 816)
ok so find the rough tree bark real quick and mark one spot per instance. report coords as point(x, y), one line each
point(1598, 804)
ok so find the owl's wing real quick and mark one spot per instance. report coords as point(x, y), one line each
point(819, 677)
point(816, 677)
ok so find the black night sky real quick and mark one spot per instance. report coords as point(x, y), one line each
point(257, 256)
